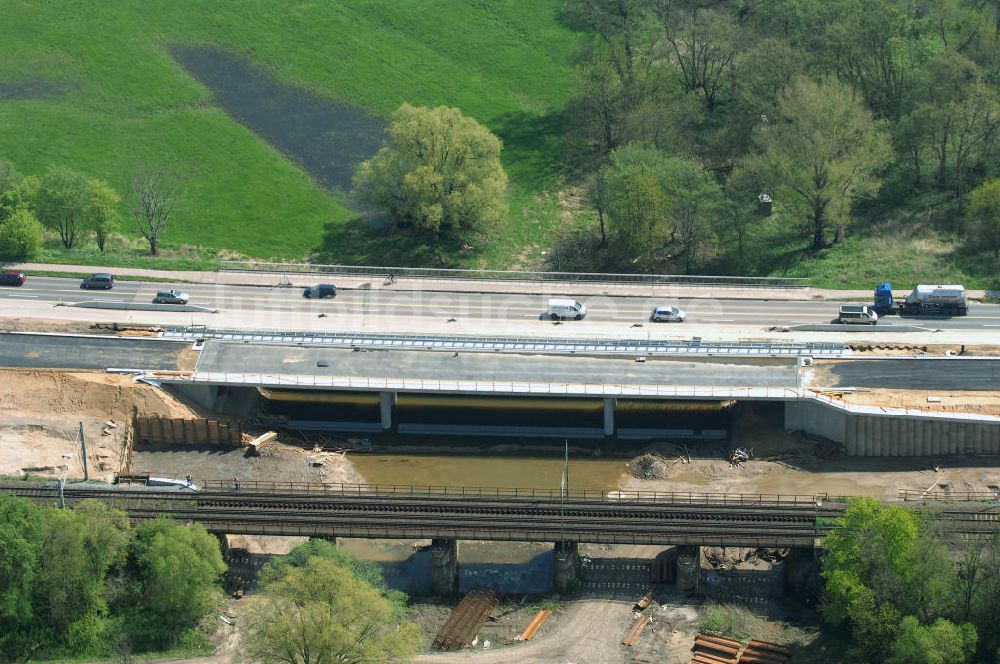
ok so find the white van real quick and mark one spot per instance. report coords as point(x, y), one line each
point(857, 313)
point(560, 309)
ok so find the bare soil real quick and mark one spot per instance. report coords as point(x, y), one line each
point(280, 461)
point(41, 410)
point(948, 401)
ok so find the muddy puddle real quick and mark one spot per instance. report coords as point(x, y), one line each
point(327, 138)
point(489, 471)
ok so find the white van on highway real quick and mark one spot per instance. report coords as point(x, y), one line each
point(561, 309)
point(858, 314)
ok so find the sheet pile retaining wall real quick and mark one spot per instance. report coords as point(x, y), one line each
point(912, 434)
point(172, 431)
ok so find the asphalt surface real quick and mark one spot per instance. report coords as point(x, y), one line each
point(917, 374)
point(296, 360)
point(37, 351)
point(529, 309)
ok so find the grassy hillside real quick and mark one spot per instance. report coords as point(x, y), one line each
point(93, 86)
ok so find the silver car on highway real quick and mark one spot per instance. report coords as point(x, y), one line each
point(667, 314)
point(171, 297)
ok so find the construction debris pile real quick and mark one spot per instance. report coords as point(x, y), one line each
point(718, 650)
point(649, 466)
point(740, 456)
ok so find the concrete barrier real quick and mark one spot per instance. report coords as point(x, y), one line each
point(141, 306)
point(838, 327)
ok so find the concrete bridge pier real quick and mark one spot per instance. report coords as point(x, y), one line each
point(567, 555)
point(688, 569)
point(444, 566)
point(800, 571)
point(609, 416)
point(223, 543)
point(386, 408)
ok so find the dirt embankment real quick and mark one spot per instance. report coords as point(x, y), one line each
point(41, 411)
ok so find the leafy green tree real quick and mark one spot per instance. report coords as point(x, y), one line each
point(81, 549)
point(23, 526)
point(102, 210)
point(951, 132)
point(62, 202)
point(21, 235)
point(441, 172)
point(939, 643)
point(322, 612)
point(178, 569)
point(984, 211)
point(658, 204)
point(872, 547)
point(703, 44)
point(824, 150)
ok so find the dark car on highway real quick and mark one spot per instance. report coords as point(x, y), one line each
point(320, 291)
point(11, 278)
point(98, 280)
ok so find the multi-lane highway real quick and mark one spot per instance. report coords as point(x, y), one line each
point(525, 310)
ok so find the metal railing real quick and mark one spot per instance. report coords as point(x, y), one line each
point(451, 386)
point(512, 344)
point(443, 491)
point(514, 275)
point(949, 496)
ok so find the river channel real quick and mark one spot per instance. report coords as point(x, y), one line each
point(515, 567)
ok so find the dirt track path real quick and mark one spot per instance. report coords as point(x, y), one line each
point(587, 633)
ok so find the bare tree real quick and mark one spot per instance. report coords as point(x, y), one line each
point(150, 200)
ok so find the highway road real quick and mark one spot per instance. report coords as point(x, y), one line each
point(58, 352)
point(73, 352)
point(525, 310)
point(312, 361)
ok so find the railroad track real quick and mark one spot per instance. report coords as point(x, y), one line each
point(526, 518)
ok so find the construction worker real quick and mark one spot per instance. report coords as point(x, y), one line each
point(189, 480)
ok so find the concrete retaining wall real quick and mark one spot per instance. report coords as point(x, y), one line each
point(892, 434)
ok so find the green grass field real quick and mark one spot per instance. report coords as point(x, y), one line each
point(93, 86)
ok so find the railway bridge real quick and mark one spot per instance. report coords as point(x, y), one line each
point(446, 515)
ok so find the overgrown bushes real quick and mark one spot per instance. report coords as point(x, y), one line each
point(85, 582)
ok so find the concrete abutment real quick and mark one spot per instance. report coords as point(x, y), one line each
point(444, 566)
point(565, 560)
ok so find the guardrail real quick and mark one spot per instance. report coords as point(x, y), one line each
point(512, 344)
point(455, 386)
point(513, 275)
point(616, 496)
point(949, 496)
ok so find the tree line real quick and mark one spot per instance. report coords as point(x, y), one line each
point(838, 110)
point(73, 206)
point(84, 581)
point(907, 593)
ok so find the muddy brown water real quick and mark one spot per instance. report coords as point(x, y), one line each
point(514, 567)
point(328, 138)
point(489, 471)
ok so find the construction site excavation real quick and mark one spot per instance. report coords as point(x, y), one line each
point(520, 506)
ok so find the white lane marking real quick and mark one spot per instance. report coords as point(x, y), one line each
point(627, 318)
point(719, 320)
point(985, 325)
point(13, 295)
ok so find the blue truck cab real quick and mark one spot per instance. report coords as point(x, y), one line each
point(883, 298)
